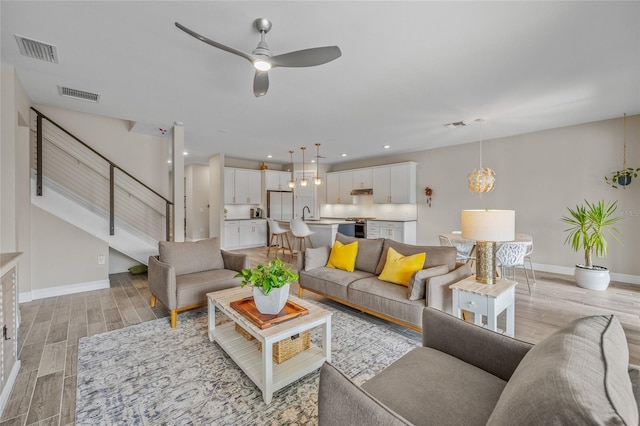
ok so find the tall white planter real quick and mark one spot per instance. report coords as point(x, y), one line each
point(274, 302)
point(592, 279)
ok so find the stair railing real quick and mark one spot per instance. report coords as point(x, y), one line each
point(145, 204)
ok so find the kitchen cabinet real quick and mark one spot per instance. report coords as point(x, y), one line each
point(402, 232)
point(394, 184)
point(275, 180)
point(242, 186)
point(245, 233)
point(363, 178)
point(10, 364)
point(339, 187)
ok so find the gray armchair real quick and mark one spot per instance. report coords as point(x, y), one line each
point(183, 273)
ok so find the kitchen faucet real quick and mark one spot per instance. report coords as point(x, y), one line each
point(303, 209)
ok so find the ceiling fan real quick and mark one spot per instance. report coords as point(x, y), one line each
point(263, 60)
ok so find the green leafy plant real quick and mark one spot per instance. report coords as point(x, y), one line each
point(275, 274)
point(614, 178)
point(588, 225)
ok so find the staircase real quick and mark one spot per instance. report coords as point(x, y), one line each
point(79, 185)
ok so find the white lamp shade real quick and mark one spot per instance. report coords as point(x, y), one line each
point(488, 225)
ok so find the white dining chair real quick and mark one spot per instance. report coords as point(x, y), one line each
point(511, 254)
point(463, 249)
point(278, 236)
point(301, 232)
point(527, 256)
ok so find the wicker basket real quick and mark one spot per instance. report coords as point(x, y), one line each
point(284, 349)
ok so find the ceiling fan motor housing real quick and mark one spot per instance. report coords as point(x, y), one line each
point(263, 25)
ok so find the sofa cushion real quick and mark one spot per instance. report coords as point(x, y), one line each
point(436, 255)
point(316, 257)
point(387, 299)
point(417, 283)
point(189, 257)
point(192, 288)
point(343, 256)
point(399, 269)
point(332, 282)
point(427, 386)
point(369, 251)
point(578, 375)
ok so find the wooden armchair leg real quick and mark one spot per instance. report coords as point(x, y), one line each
point(153, 301)
point(174, 318)
point(300, 291)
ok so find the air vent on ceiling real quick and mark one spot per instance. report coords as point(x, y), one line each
point(37, 49)
point(78, 94)
point(456, 125)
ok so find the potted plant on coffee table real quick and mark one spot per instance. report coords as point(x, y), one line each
point(588, 223)
point(270, 284)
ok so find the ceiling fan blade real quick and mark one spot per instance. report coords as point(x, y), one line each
point(307, 57)
point(247, 56)
point(260, 83)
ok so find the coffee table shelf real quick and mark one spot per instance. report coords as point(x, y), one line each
point(258, 365)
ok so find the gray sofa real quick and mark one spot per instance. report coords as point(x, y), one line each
point(467, 375)
point(361, 289)
point(183, 273)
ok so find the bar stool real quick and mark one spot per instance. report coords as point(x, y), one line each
point(301, 231)
point(278, 234)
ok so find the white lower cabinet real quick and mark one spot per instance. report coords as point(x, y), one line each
point(245, 233)
point(402, 232)
point(9, 362)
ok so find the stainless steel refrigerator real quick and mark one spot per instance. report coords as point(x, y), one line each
point(280, 205)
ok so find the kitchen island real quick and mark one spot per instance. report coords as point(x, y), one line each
point(324, 230)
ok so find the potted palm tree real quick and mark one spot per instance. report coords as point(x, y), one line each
point(588, 223)
point(270, 284)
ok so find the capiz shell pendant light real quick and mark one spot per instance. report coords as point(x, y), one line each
point(317, 180)
point(292, 181)
point(481, 179)
point(304, 181)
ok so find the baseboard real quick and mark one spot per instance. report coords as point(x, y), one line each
point(6, 390)
point(565, 270)
point(62, 290)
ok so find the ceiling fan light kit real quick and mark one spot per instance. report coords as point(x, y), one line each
point(263, 60)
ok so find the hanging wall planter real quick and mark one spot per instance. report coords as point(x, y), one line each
point(624, 176)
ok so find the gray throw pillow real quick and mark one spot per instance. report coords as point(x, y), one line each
point(316, 257)
point(417, 289)
point(190, 257)
point(369, 251)
point(578, 375)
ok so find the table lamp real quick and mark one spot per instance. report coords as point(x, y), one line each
point(486, 227)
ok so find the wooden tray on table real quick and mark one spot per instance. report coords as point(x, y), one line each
point(247, 307)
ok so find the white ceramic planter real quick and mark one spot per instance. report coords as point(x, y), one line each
point(274, 302)
point(592, 279)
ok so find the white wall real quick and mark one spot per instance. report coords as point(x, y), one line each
point(539, 175)
point(197, 199)
point(119, 262)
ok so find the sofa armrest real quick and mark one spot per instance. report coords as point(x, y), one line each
point(438, 293)
point(475, 345)
point(341, 402)
point(235, 261)
point(162, 282)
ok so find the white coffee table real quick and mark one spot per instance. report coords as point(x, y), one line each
point(258, 365)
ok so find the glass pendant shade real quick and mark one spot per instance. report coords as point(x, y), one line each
point(292, 181)
point(481, 180)
point(304, 181)
point(317, 180)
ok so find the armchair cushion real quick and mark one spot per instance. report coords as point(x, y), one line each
point(578, 375)
point(190, 257)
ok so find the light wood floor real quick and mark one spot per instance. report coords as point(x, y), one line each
point(45, 390)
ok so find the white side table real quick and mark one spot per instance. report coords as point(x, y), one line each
point(488, 300)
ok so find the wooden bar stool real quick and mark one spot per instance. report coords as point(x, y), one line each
point(301, 231)
point(278, 235)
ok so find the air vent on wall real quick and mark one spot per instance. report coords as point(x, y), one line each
point(78, 94)
point(37, 49)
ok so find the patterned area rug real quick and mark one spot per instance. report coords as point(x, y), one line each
point(151, 374)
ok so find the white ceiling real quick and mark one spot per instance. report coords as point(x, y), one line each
point(406, 69)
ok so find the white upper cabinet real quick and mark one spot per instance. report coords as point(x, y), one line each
point(395, 184)
point(242, 186)
point(275, 180)
point(346, 186)
point(339, 187)
point(333, 188)
point(363, 178)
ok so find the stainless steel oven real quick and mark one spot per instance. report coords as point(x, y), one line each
point(360, 226)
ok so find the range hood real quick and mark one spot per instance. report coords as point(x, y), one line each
point(366, 191)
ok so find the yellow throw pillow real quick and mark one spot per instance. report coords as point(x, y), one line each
point(343, 256)
point(398, 269)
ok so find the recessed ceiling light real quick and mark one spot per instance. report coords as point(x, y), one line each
point(313, 161)
point(169, 161)
point(185, 153)
point(269, 156)
point(387, 146)
point(344, 155)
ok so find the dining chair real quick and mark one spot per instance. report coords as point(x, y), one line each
point(463, 249)
point(301, 232)
point(511, 254)
point(279, 235)
point(527, 256)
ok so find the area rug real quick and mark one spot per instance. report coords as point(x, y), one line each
point(150, 374)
